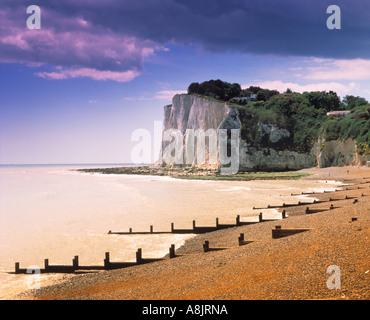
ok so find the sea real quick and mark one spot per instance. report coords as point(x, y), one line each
point(56, 212)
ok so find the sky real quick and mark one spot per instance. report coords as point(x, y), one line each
point(74, 90)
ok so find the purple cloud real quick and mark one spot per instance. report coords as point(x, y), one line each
point(72, 46)
point(119, 76)
point(111, 39)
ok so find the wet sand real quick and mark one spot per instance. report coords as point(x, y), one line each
point(293, 267)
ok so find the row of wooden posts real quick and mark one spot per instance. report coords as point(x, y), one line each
point(109, 265)
point(199, 230)
point(336, 190)
point(278, 232)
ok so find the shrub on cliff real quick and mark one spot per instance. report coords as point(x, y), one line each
point(356, 126)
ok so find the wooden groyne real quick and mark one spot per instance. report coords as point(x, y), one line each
point(107, 264)
point(205, 229)
point(286, 205)
point(197, 229)
point(194, 230)
point(277, 233)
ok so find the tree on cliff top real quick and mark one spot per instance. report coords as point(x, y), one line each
point(349, 102)
point(216, 89)
point(328, 101)
point(226, 91)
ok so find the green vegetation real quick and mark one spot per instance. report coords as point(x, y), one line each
point(249, 176)
point(356, 125)
point(303, 115)
point(217, 89)
point(350, 102)
point(194, 173)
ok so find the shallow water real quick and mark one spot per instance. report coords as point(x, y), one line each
point(56, 213)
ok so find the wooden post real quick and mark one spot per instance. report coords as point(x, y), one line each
point(151, 229)
point(75, 262)
point(206, 246)
point(241, 239)
point(139, 258)
point(130, 230)
point(17, 267)
point(216, 222)
point(172, 251)
point(260, 217)
point(172, 227)
point(331, 207)
point(106, 260)
point(283, 214)
point(193, 224)
point(237, 220)
point(46, 262)
point(307, 210)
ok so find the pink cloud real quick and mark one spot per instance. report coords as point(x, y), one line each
point(327, 69)
point(167, 94)
point(95, 74)
point(15, 40)
point(79, 47)
point(159, 95)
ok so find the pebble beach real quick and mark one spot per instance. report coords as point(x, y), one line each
point(289, 268)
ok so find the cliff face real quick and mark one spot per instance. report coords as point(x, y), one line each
point(253, 158)
point(337, 153)
point(193, 112)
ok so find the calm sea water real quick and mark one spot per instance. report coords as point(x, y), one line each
point(53, 212)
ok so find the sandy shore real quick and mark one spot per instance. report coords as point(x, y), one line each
point(293, 267)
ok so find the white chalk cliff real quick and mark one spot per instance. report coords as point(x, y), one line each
point(195, 112)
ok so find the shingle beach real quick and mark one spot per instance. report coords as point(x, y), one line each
point(293, 267)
